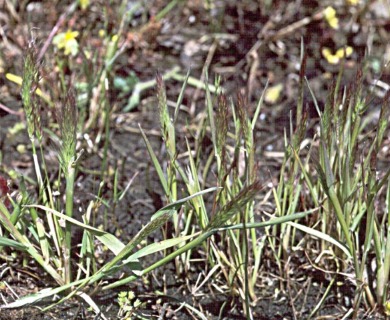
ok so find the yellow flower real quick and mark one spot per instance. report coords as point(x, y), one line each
point(329, 56)
point(114, 38)
point(273, 94)
point(334, 58)
point(84, 4)
point(347, 51)
point(353, 2)
point(102, 33)
point(330, 16)
point(18, 80)
point(67, 41)
point(387, 307)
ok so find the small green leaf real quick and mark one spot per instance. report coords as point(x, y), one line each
point(158, 246)
point(108, 239)
point(177, 204)
point(322, 236)
point(5, 242)
point(155, 161)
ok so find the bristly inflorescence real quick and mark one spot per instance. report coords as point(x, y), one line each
point(167, 127)
point(67, 119)
point(242, 112)
point(29, 87)
point(236, 205)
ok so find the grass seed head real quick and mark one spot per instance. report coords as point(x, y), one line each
point(167, 127)
point(236, 205)
point(162, 101)
point(242, 112)
point(29, 86)
point(67, 118)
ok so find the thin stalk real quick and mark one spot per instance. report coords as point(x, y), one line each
point(386, 264)
point(55, 229)
point(106, 136)
point(43, 241)
point(70, 177)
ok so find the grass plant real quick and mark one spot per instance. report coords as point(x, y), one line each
point(353, 185)
point(331, 186)
point(234, 202)
point(233, 214)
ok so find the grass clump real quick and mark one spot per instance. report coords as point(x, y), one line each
point(354, 186)
point(237, 253)
point(330, 201)
point(344, 190)
point(39, 227)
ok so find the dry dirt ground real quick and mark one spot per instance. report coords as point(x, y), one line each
point(247, 43)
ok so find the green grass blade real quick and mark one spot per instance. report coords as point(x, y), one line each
point(210, 113)
point(156, 162)
point(258, 107)
point(321, 235)
point(108, 239)
point(181, 95)
point(177, 204)
point(314, 99)
point(5, 242)
point(158, 246)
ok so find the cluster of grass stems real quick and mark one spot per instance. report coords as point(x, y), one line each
point(40, 229)
point(341, 194)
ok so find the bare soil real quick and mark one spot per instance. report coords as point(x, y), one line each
point(190, 36)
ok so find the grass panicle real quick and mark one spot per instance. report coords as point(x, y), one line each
point(68, 122)
point(28, 92)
